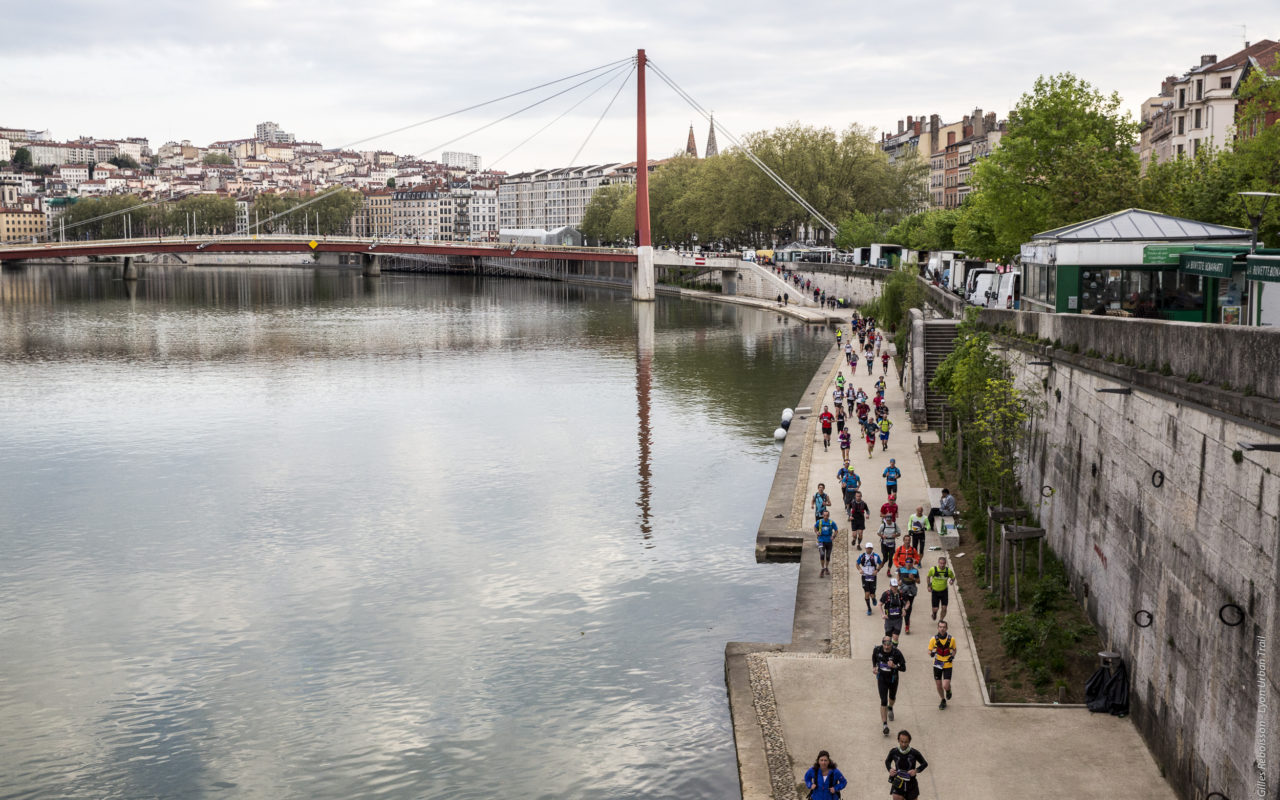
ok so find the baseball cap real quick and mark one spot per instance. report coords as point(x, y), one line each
point(869, 546)
point(893, 581)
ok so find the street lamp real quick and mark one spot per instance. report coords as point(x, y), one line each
point(1255, 205)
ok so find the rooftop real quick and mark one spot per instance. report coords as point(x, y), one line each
point(1135, 224)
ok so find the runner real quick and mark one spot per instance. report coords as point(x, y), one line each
point(943, 649)
point(880, 387)
point(904, 763)
point(820, 502)
point(837, 397)
point(840, 418)
point(848, 357)
point(891, 474)
point(909, 581)
point(826, 530)
point(905, 551)
point(858, 519)
point(890, 508)
point(939, 578)
point(892, 604)
point(869, 430)
point(826, 418)
point(823, 780)
point(849, 481)
point(885, 425)
point(871, 361)
point(846, 438)
point(863, 409)
point(839, 334)
point(886, 662)
point(888, 534)
point(917, 524)
point(869, 565)
point(840, 380)
point(884, 363)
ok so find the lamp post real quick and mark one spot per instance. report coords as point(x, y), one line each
point(1255, 205)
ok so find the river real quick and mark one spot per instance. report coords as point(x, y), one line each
point(289, 532)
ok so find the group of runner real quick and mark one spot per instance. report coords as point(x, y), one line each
point(900, 558)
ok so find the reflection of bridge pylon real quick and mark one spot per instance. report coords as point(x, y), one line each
point(644, 381)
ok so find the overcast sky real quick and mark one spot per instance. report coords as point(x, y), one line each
point(340, 72)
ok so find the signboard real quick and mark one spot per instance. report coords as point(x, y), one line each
point(1231, 315)
point(1210, 265)
point(1263, 268)
point(1163, 253)
point(1073, 302)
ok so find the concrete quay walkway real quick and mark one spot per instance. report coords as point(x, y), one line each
point(802, 700)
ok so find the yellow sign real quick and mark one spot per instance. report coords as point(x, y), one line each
point(314, 244)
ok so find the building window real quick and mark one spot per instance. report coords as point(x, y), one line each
point(1225, 83)
point(1197, 120)
point(1182, 98)
point(1181, 125)
point(1199, 90)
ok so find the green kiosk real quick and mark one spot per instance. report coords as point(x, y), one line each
point(1133, 261)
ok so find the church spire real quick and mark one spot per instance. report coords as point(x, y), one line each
point(691, 149)
point(712, 149)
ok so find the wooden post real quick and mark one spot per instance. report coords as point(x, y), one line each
point(1004, 572)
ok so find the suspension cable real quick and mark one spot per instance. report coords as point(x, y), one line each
point(734, 140)
point(591, 132)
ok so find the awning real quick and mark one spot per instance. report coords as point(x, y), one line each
point(1210, 265)
point(1262, 268)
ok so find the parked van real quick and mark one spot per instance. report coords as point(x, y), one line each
point(942, 262)
point(971, 278)
point(1006, 291)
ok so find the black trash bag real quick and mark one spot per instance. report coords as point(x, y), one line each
point(1107, 690)
point(1095, 690)
point(1117, 690)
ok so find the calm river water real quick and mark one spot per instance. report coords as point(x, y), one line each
point(292, 533)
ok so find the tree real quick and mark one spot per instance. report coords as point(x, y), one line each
point(125, 162)
point(218, 159)
point(860, 230)
point(22, 158)
point(391, 183)
point(1256, 155)
point(1068, 156)
point(597, 216)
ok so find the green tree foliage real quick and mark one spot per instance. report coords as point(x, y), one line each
point(125, 162)
point(218, 160)
point(275, 213)
point(860, 230)
point(598, 217)
point(99, 218)
point(391, 183)
point(926, 230)
point(728, 199)
point(1068, 156)
point(22, 158)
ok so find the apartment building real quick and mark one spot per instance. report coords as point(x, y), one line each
point(465, 161)
point(555, 198)
point(1204, 100)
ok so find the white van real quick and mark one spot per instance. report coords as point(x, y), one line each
point(942, 261)
point(971, 277)
point(1006, 290)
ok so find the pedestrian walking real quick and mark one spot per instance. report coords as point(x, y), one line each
point(823, 780)
point(943, 649)
point(886, 662)
point(939, 578)
point(904, 763)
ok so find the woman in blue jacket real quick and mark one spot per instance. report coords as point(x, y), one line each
point(823, 780)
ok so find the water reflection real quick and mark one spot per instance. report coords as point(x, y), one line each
point(278, 533)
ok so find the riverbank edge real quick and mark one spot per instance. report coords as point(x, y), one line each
point(750, 704)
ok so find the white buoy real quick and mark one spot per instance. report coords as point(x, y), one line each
point(787, 414)
point(780, 434)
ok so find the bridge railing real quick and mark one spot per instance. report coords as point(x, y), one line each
point(371, 241)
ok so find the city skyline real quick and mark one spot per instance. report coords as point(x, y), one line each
point(758, 69)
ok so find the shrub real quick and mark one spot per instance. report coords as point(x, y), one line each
point(1017, 633)
point(1165, 369)
point(1194, 378)
point(980, 564)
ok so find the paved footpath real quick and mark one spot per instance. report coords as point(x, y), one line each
point(975, 751)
